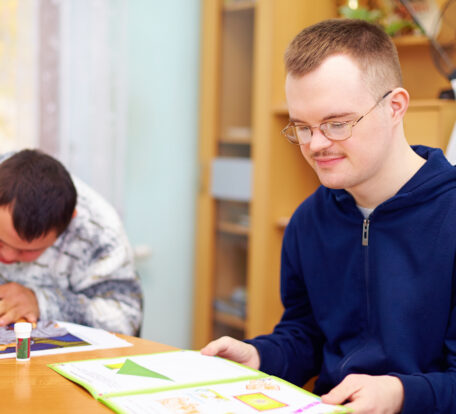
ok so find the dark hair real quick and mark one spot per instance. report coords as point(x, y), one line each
point(39, 191)
point(367, 44)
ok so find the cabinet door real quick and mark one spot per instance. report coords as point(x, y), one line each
point(225, 154)
point(430, 122)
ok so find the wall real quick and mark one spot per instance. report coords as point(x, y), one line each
point(163, 70)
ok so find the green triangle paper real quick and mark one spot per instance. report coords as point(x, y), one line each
point(131, 368)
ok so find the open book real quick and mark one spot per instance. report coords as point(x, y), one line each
point(184, 382)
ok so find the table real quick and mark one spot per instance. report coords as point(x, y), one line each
point(32, 387)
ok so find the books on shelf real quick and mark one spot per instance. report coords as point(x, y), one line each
point(235, 305)
point(188, 382)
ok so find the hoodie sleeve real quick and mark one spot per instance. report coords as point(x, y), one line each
point(293, 350)
point(434, 392)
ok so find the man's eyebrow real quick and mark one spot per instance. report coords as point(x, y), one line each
point(326, 118)
point(296, 121)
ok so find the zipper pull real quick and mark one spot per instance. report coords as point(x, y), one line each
point(365, 237)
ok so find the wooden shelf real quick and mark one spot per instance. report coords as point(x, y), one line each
point(229, 320)
point(233, 228)
point(430, 122)
point(281, 109)
point(282, 222)
point(242, 49)
point(430, 103)
point(234, 140)
point(237, 5)
point(411, 40)
point(415, 40)
point(236, 135)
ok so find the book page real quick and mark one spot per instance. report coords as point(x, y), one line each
point(151, 372)
point(240, 397)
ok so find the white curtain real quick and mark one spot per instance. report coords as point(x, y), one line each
point(18, 74)
point(93, 93)
point(63, 88)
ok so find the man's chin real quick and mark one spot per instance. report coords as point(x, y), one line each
point(333, 184)
point(331, 179)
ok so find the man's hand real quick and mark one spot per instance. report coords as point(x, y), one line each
point(17, 301)
point(368, 394)
point(230, 348)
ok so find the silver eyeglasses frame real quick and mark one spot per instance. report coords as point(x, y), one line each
point(291, 134)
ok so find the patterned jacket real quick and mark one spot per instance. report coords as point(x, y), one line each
point(88, 275)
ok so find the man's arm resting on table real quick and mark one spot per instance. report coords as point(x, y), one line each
point(103, 290)
point(114, 305)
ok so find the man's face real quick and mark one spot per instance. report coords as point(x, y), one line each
point(335, 91)
point(13, 248)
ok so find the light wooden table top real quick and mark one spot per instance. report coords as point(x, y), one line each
point(33, 387)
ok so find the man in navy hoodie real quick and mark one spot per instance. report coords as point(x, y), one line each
point(368, 260)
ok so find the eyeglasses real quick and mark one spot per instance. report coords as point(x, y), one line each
point(301, 134)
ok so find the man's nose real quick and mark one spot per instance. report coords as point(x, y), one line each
point(318, 141)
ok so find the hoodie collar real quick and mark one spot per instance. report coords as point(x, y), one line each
point(435, 176)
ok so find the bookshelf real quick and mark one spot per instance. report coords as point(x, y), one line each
point(238, 241)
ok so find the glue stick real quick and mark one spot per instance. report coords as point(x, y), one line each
point(22, 331)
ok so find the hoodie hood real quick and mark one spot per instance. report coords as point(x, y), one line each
point(436, 176)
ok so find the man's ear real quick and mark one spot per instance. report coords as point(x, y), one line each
point(399, 103)
point(75, 213)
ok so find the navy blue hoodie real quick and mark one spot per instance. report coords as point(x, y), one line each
point(374, 296)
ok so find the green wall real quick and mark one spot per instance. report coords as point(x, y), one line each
point(163, 70)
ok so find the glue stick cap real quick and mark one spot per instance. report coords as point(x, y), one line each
point(23, 328)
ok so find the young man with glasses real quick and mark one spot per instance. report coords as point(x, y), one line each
point(368, 261)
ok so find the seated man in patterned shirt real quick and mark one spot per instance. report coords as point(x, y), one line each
point(64, 254)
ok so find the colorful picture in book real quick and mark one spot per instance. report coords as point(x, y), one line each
point(260, 401)
point(181, 405)
point(45, 335)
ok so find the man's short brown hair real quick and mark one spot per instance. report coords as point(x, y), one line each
point(39, 192)
point(367, 44)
